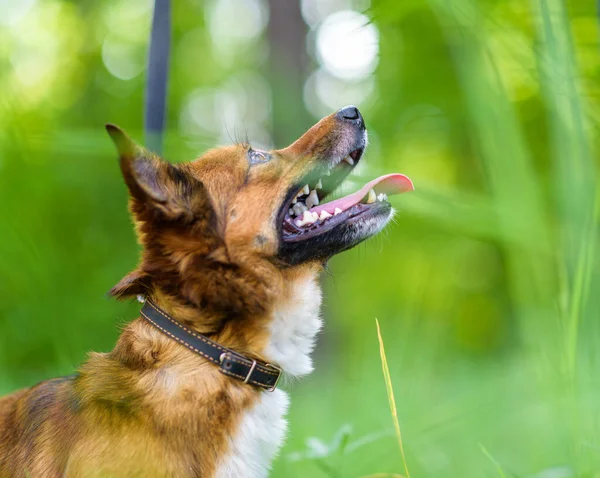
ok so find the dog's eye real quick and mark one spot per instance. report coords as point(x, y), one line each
point(255, 157)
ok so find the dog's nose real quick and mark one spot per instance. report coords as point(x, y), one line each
point(350, 114)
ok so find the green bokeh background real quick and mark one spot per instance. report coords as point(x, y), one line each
point(484, 286)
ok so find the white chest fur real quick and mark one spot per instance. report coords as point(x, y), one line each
point(261, 432)
point(258, 438)
point(294, 329)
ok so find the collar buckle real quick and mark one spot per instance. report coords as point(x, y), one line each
point(279, 373)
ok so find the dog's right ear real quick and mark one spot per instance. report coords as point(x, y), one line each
point(156, 183)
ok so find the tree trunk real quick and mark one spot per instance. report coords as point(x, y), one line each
point(288, 66)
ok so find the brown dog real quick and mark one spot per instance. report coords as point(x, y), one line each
point(233, 243)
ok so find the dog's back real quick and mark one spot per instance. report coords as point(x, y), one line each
point(37, 427)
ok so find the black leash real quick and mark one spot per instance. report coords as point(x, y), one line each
point(157, 76)
point(230, 363)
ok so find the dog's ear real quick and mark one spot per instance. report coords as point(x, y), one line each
point(156, 183)
point(135, 283)
point(161, 194)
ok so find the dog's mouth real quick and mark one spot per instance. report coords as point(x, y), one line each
point(306, 215)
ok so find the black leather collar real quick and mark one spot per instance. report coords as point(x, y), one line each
point(230, 363)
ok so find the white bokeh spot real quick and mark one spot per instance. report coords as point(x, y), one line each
point(348, 45)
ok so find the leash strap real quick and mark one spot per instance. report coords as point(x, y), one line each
point(157, 75)
point(265, 376)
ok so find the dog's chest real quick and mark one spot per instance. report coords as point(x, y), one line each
point(257, 439)
point(261, 432)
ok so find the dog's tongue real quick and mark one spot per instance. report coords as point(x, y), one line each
point(389, 184)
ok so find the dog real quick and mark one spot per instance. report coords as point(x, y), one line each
point(233, 243)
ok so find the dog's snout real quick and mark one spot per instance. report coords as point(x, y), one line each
point(350, 114)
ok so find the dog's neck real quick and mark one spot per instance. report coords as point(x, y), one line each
point(293, 328)
point(283, 335)
point(150, 370)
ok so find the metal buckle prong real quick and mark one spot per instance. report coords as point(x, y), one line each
point(250, 372)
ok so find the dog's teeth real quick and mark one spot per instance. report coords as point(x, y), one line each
point(337, 211)
point(380, 197)
point(319, 185)
point(312, 199)
point(372, 197)
point(349, 160)
point(299, 209)
point(303, 192)
point(307, 218)
point(324, 215)
point(291, 212)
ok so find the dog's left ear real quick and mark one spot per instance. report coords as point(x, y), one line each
point(156, 183)
point(137, 282)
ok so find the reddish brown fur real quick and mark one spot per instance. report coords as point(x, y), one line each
point(150, 407)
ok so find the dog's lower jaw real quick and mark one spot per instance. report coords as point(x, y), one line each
point(293, 330)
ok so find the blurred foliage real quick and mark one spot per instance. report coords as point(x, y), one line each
point(483, 286)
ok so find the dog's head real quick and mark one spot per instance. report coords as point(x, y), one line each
point(215, 229)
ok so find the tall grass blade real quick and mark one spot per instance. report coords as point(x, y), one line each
point(384, 475)
point(508, 165)
point(392, 400)
point(493, 460)
point(573, 162)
